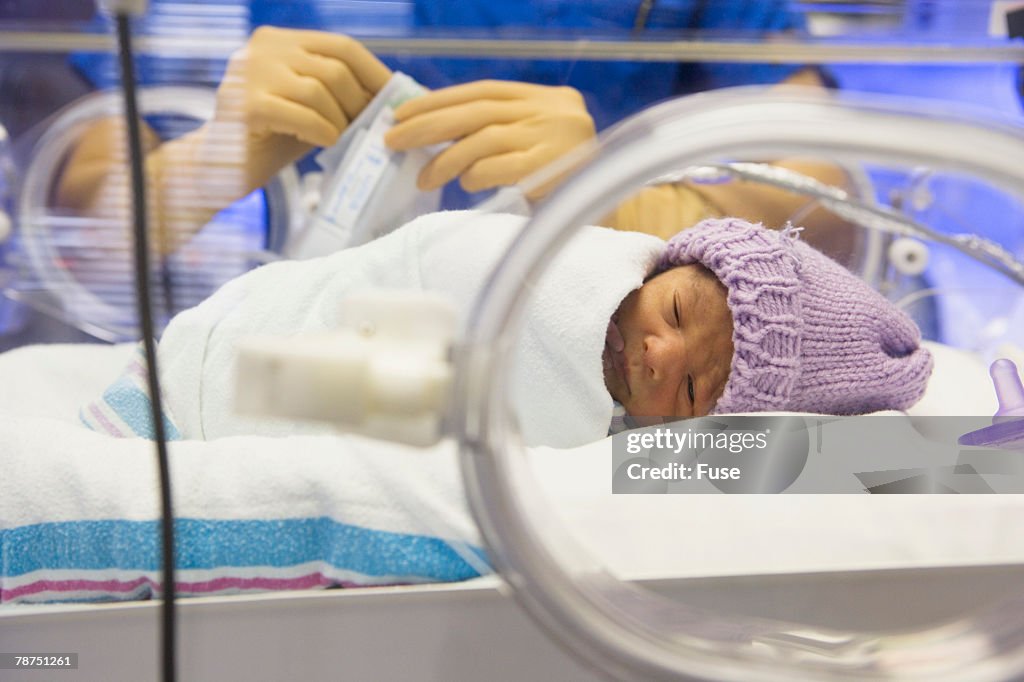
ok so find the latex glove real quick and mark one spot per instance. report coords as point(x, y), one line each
point(662, 210)
point(284, 93)
point(502, 131)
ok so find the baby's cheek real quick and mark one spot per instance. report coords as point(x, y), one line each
point(660, 403)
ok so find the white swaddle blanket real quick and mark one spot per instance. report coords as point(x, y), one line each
point(558, 388)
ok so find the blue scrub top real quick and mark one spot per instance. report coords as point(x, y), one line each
point(613, 90)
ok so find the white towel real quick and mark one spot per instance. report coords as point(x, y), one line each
point(53, 380)
point(558, 388)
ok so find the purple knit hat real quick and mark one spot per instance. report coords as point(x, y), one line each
point(808, 336)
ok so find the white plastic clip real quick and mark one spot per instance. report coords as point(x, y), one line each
point(385, 372)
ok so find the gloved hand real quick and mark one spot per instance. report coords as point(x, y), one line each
point(662, 210)
point(502, 131)
point(284, 93)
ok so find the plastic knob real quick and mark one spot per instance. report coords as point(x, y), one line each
point(908, 256)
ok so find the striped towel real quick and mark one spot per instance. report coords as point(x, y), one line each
point(125, 410)
point(79, 514)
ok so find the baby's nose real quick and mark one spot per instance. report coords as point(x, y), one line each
point(661, 356)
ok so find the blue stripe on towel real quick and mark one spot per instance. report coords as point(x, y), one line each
point(124, 410)
point(206, 544)
point(135, 408)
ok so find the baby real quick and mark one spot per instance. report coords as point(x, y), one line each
point(735, 318)
point(739, 318)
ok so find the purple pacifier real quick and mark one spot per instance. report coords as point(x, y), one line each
point(1007, 428)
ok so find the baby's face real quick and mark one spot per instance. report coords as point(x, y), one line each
point(669, 345)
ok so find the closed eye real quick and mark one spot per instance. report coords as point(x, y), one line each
point(675, 307)
point(689, 389)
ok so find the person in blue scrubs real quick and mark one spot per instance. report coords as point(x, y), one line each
point(609, 90)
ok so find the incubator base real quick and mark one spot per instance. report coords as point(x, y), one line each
point(466, 631)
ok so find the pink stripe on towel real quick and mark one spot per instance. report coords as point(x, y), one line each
point(115, 589)
point(111, 587)
point(107, 425)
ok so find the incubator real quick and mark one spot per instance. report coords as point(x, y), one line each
point(649, 582)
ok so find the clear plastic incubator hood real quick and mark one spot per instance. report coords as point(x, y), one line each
point(619, 626)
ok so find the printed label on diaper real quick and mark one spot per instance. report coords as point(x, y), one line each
point(360, 163)
point(345, 205)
